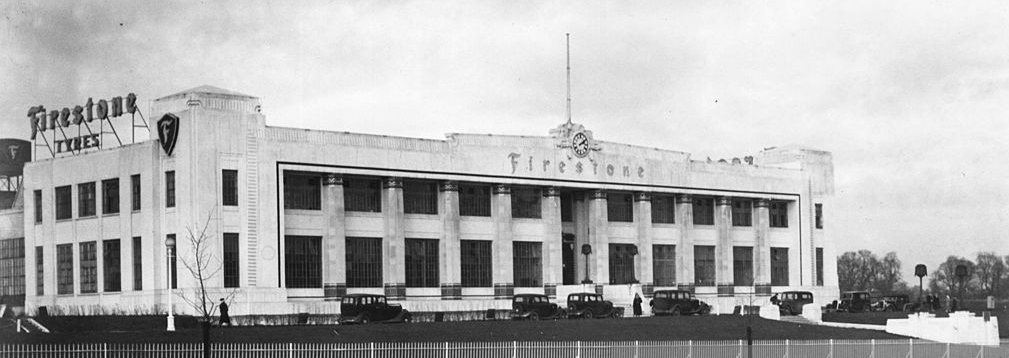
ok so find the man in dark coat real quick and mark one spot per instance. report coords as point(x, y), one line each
point(637, 305)
point(225, 318)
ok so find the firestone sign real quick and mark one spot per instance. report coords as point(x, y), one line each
point(40, 120)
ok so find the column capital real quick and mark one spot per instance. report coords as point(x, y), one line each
point(684, 199)
point(502, 189)
point(642, 196)
point(597, 194)
point(724, 201)
point(448, 185)
point(551, 191)
point(762, 203)
point(392, 183)
point(332, 179)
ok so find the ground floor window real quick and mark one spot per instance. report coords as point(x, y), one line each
point(527, 264)
point(421, 263)
point(779, 266)
point(622, 263)
point(111, 270)
point(138, 265)
point(303, 261)
point(65, 269)
point(364, 262)
point(89, 268)
point(476, 263)
point(664, 265)
point(40, 281)
point(819, 266)
point(742, 265)
point(231, 263)
point(12, 267)
point(704, 265)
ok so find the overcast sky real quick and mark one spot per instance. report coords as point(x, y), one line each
point(909, 96)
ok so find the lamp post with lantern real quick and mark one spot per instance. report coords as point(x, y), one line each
point(169, 253)
point(586, 250)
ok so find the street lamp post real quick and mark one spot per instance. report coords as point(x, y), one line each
point(170, 246)
point(586, 250)
point(921, 271)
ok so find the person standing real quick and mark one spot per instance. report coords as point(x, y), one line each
point(774, 299)
point(637, 305)
point(225, 318)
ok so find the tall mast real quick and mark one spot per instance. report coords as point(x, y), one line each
point(568, 39)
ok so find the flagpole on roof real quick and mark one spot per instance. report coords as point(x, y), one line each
point(567, 37)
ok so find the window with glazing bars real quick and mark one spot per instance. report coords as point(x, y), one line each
point(619, 207)
point(65, 269)
point(135, 191)
point(111, 269)
point(476, 263)
point(302, 191)
point(664, 265)
point(526, 203)
point(110, 196)
point(704, 265)
point(86, 199)
point(704, 211)
point(819, 216)
point(742, 212)
point(12, 267)
point(303, 261)
point(38, 205)
point(778, 212)
point(364, 262)
point(170, 189)
point(362, 194)
point(742, 265)
point(420, 197)
point(40, 281)
point(231, 265)
point(64, 203)
point(89, 267)
point(779, 266)
point(138, 265)
point(663, 209)
point(819, 266)
point(527, 264)
point(229, 187)
point(622, 263)
point(474, 200)
point(421, 263)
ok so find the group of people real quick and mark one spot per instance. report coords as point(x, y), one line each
point(933, 304)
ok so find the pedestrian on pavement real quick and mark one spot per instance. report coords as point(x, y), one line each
point(774, 299)
point(637, 304)
point(225, 318)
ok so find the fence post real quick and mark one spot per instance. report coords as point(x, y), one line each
point(910, 348)
point(690, 348)
point(578, 349)
point(872, 345)
point(446, 349)
point(740, 354)
point(105, 350)
point(786, 348)
point(19, 326)
point(515, 349)
point(831, 355)
point(635, 349)
point(372, 349)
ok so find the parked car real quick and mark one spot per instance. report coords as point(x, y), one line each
point(591, 305)
point(366, 308)
point(893, 303)
point(677, 302)
point(791, 302)
point(534, 307)
point(854, 301)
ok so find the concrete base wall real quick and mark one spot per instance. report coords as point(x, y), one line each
point(960, 327)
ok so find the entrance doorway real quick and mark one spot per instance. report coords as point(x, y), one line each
point(568, 258)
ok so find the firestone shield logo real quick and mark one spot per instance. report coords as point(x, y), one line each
point(168, 132)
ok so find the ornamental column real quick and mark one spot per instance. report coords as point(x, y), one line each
point(685, 248)
point(552, 240)
point(394, 238)
point(599, 229)
point(762, 256)
point(449, 245)
point(501, 203)
point(723, 248)
point(334, 239)
point(643, 261)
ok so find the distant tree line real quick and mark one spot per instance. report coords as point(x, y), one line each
point(864, 271)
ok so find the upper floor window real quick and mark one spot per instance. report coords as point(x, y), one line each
point(420, 197)
point(229, 187)
point(619, 207)
point(819, 216)
point(110, 196)
point(526, 203)
point(474, 200)
point(742, 212)
point(86, 199)
point(362, 194)
point(38, 205)
point(64, 206)
point(135, 191)
point(778, 212)
point(170, 189)
point(704, 211)
point(663, 209)
point(302, 191)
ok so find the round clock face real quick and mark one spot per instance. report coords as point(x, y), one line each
point(580, 144)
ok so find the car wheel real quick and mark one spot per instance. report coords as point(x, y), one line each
point(365, 319)
point(676, 311)
point(534, 316)
point(589, 314)
point(407, 318)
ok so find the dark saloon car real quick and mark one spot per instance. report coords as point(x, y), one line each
point(534, 306)
point(591, 305)
point(677, 302)
point(366, 308)
point(893, 303)
point(791, 302)
point(854, 301)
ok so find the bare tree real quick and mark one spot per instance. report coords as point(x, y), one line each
point(989, 272)
point(204, 266)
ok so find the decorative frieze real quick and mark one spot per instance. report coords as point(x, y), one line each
point(330, 179)
point(684, 199)
point(762, 203)
point(448, 186)
point(724, 201)
point(502, 189)
point(392, 183)
point(597, 194)
point(551, 191)
point(642, 196)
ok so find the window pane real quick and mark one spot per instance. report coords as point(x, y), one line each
point(420, 197)
point(39, 272)
point(135, 191)
point(229, 187)
point(622, 263)
point(111, 269)
point(778, 212)
point(526, 203)
point(704, 211)
point(65, 269)
point(742, 212)
point(474, 200)
point(89, 268)
point(742, 266)
point(231, 263)
point(364, 262)
point(63, 203)
point(476, 263)
point(819, 266)
point(527, 264)
point(421, 263)
point(704, 265)
point(663, 209)
point(664, 265)
point(12, 268)
point(819, 216)
point(303, 261)
point(362, 194)
point(86, 199)
point(302, 191)
point(110, 196)
point(779, 266)
point(38, 206)
point(138, 265)
point(170, 189)
point(619, 207)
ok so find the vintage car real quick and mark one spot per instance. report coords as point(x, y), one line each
point(893, 303)
point(677, 302)
point(591, 305)
point(366, 308)
point(534, 307)
point(854, 301)
point(791, 302)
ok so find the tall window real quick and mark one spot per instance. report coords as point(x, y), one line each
point(779, 266)
point(704, 211)
point(229, 187)
point(40, 280)
point(110, 196)
point(819, 266)
point(86, 199)
point(138, 265)
point(421, 263)
point(778, 212)
point(476, 263)
point(663, 209)
point(174, 269)
point(135, 191)
point(65, 269)
point(89, 267)
point(664, 265)
point(704, 265)
point(526, 203)
point(420, 197)
point(111, 269)
point(12, 267)
point(170, 189)
point(64, 203)
point(742, 213)
point(527, 264)
point(303, 191)
point(566, 207)
point(742, 265)
point(474, 200)
point(364, 262)
point(231, 266)
point(819, 216)
point(38, 205)
point(619, 207)
point(362, 194)
point(303, 261)
point(622, 263)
